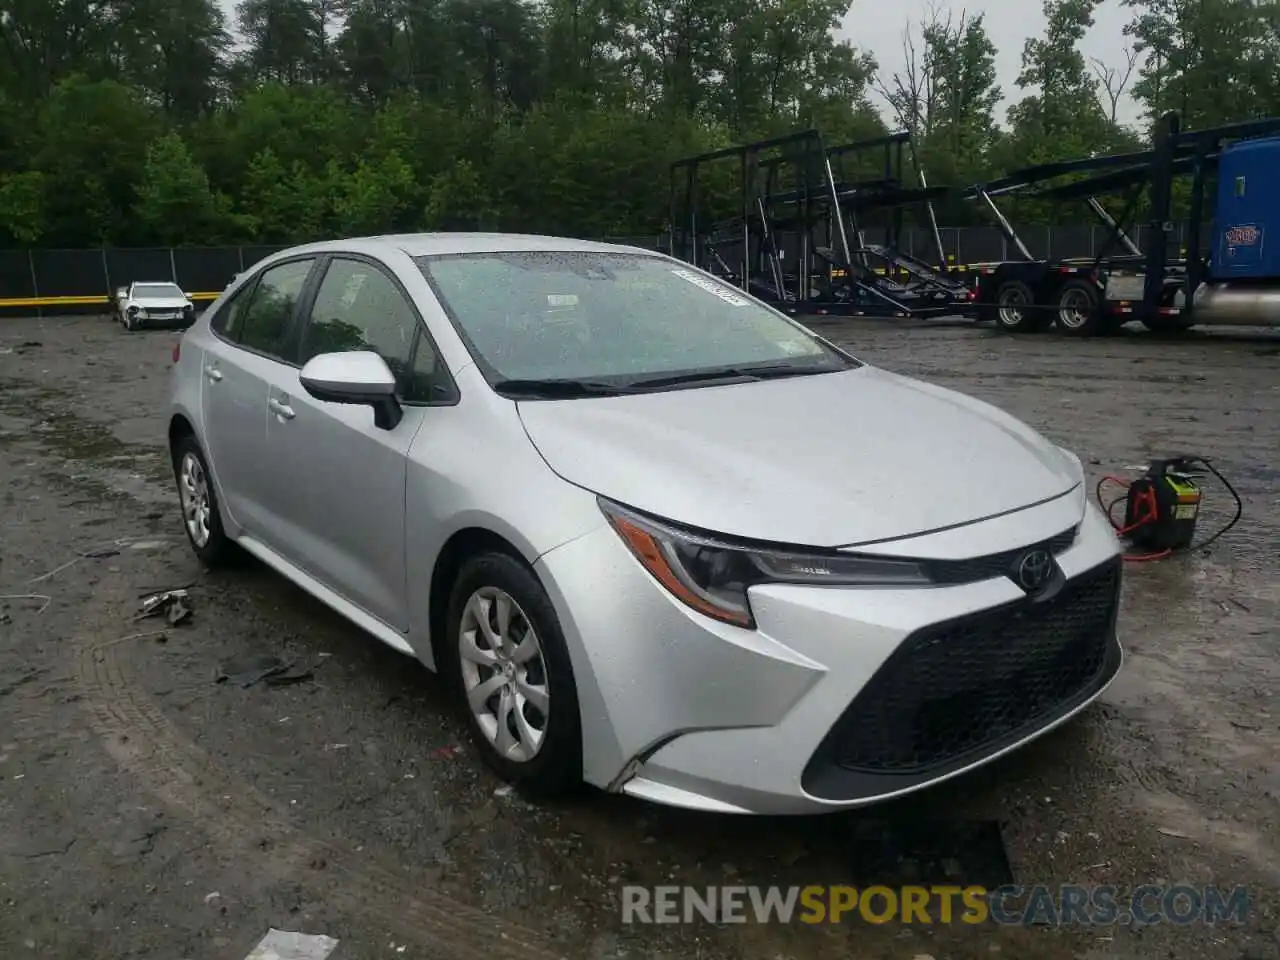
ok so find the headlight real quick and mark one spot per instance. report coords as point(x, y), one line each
point(712, 576)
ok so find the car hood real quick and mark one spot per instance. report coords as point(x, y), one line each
point(830, 460)
point(160, 303)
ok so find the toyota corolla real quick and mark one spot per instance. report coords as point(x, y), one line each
point(657, 536)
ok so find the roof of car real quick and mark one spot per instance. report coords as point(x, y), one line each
point(428, 244)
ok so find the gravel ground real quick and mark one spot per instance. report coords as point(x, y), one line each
point(148, 811)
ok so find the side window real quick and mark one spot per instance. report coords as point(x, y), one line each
point(358, 307)
point(227, 321)
point(266, 318)
point(428, 380)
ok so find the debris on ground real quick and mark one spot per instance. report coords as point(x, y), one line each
point(171, 603)
point(160, 636)
point(284, 945)
point(274, 671)
point(146, 546)
point(20, 348)
point(446, 752)
point(44, 598)
point(100, 552)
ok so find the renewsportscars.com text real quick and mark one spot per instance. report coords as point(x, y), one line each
point(1009, 905)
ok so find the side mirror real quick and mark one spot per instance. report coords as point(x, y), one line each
point(360, 377)
point(187, 295)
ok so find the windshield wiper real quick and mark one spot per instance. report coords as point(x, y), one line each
point(772, 372)
point(555, 389)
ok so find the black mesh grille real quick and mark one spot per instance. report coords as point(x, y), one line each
point(958, 688)
point(994, 564)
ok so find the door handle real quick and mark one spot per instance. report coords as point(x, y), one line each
point(213, 373)
point(281, 409)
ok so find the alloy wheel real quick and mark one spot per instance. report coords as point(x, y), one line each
point(504, 673)
point(1074, 309)
point(1012, 307)
point(193, 490)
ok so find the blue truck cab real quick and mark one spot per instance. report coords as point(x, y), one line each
point(1247, 210)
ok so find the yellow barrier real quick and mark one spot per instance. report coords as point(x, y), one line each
point(79, 301)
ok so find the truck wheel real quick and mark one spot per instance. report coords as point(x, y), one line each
point(1015, 308)
point(1079, 308)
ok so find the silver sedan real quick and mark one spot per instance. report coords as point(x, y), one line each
point(658, 536)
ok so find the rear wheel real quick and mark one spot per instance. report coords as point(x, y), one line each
point(1015, 308)
point(510, 664)
point(200, 511)
point(1079, 308)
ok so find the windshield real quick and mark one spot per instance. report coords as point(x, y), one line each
point(614, 319)
point(157, 290)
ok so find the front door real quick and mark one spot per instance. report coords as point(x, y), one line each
point(342, 490)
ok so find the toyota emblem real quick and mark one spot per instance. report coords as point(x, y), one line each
point(1034, 569)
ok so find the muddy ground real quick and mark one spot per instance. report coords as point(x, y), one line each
point(147, 811)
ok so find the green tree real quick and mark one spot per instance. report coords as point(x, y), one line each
point(946, 94)
point(458, 199)
point(285, 39)
point(175, 203)
point(171, 49)
point(375, 196)
point(1063, 117)
point(90, 142)
point(1207, 59)
point(291, 203)
point(22, 207)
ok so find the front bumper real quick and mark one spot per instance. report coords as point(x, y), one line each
point(840, 697)
point(155, 319)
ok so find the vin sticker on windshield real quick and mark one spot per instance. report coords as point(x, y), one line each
point(711, 287)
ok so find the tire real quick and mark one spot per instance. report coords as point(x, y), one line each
point(130, 322)
point(1079, 310)
point(202, 522)
point(1014, 311)
point(543, 766)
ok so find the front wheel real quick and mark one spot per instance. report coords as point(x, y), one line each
point(510, 664)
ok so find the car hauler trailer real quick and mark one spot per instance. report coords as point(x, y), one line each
point(1237, 282)
point(795, 238)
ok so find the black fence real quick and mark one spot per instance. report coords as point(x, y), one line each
point(80, 281)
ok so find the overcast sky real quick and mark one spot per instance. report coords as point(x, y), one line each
point(877, 25)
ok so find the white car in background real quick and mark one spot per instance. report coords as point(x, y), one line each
point(154, 304)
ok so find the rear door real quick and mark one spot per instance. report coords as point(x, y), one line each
point(254, 337)
point(341, 495)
